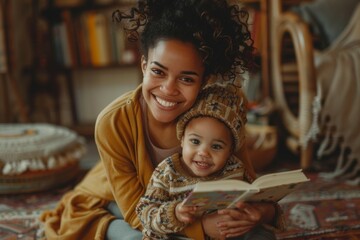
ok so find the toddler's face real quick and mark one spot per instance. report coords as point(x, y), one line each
point(207, 145)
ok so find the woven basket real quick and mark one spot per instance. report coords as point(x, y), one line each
point(262, 143)
point(38, 181)
point(37, 157)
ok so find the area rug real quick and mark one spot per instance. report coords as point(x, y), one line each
point(19, 213)
point(322, 209)
point(319, 210)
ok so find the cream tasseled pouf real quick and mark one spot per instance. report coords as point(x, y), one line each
point(36, 157)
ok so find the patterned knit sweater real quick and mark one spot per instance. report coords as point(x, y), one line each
point(169, 185)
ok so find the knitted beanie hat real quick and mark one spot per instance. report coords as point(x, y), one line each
point(226, 103)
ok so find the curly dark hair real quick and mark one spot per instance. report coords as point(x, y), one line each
point(218, 30)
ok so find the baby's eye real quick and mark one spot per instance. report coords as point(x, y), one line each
point(217, 147)
point(194, 141)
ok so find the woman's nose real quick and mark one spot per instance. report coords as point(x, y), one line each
point(169, 86)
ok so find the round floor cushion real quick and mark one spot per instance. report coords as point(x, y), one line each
point(36, 157)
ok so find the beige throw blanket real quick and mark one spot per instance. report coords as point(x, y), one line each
point(338, 80)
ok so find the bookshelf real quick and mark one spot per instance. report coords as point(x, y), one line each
point(85, 37)
point(10, 91)
point(82, 38)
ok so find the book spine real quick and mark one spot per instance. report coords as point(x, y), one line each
point(90, 24)
point(64, 41)
point(120, 44)
point(3, 58)
point(83, 40)
point(68, 3)
point(57, 45)
point(98, 38)
point(70, 32)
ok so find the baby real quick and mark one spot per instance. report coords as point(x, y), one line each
point(210, 133)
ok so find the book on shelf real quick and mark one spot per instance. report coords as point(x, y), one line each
point(65, 45)
point(118, 43)
point(211, 195)
point(68, 3)
point(65, 52)
point(70, 34)
point(58, 51)
point(3, 57)
point(82, 40)
point(98, 38)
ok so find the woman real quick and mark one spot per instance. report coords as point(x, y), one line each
point(184, 43)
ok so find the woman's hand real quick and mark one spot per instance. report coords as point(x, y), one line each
point(210, 224)
point(237, 221)
point(243, 218)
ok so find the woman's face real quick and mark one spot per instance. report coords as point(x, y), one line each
point(173, 76)
point(205, 152)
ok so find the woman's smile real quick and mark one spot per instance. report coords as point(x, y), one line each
point(165, 103)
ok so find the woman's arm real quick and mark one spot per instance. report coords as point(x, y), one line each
point(120, 141)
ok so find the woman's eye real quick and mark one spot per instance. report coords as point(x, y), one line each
point(187, 79)
point(157, 71)
point(194, 141)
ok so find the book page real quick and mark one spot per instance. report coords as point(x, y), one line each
point(222, 185)
point(212, 200)
point(280, 178)
point(273, 194)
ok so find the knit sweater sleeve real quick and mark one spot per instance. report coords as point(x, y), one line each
point(156, 209)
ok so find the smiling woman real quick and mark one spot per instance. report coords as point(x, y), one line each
point(181, 50)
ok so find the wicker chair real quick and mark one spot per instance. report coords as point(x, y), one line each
point(298, 70)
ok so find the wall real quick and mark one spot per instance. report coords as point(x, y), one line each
point(94, 89)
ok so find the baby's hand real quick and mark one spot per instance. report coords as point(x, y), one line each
point(185, 214)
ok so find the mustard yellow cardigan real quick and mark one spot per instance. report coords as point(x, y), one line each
point(122, 176)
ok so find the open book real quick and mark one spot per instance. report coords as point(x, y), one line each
point(220, 194)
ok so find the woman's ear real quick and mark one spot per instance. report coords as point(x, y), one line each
point(143, 64)
point(182, 141)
